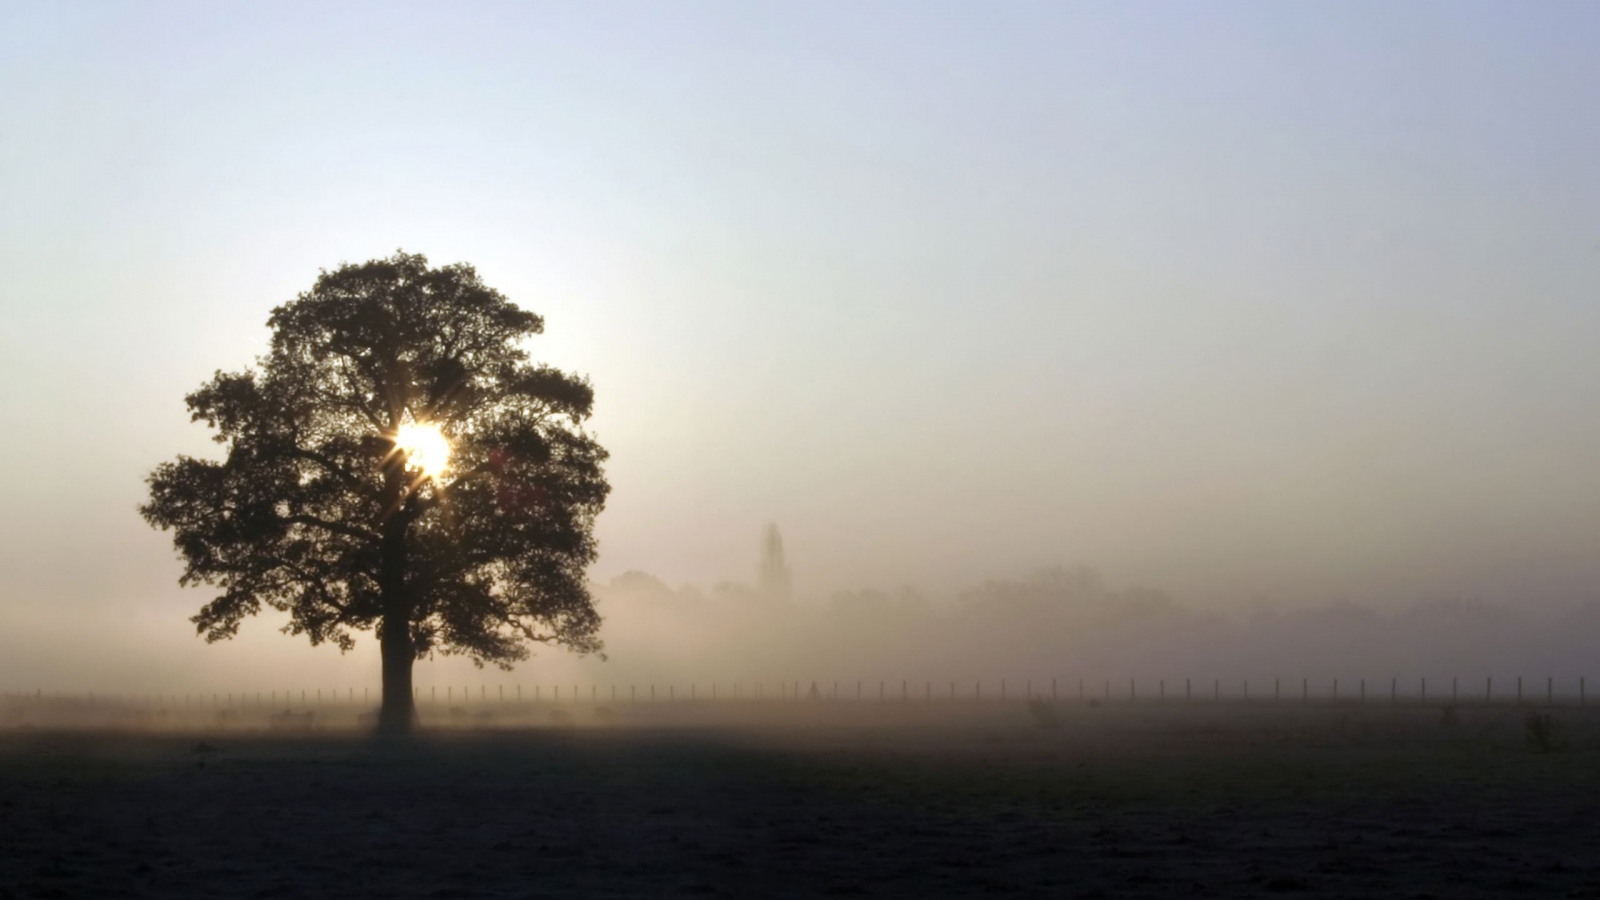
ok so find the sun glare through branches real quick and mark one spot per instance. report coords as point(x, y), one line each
point(425, 447)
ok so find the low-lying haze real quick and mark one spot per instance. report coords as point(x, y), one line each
point(1265, 308)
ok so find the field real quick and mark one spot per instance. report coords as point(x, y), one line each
point(815, 799)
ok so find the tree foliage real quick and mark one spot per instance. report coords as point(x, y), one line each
point(314, 510)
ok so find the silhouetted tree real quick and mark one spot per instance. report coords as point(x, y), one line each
point(335, 502)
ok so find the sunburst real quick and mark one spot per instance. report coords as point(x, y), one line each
point(425, 447)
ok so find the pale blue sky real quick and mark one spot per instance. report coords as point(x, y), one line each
point(1286, 299)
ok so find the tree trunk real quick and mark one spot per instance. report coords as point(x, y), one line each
point(398, 713)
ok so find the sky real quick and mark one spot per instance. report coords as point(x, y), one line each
point(1240, 300)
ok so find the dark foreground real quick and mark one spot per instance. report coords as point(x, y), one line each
point(1110, 803)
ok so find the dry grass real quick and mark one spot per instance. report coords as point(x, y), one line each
point(809, 800)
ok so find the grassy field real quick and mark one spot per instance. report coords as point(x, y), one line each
point(820, 800)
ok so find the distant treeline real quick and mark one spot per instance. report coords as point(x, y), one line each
point(1067, 622)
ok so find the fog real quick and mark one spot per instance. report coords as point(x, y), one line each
point(1068, 629)
point(1282, 322)
point(1068, 624)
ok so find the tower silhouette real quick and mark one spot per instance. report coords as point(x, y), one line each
point(773, 577)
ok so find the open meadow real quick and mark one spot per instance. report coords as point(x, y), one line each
point(813, 799)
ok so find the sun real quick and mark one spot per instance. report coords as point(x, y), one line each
point(425, 447)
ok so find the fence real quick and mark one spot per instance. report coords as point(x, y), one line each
point(1275, 691)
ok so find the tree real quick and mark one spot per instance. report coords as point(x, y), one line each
point(395, 462)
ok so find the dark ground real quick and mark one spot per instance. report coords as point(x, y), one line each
point(869, 802)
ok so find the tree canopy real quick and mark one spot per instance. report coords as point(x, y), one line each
point(323, 507)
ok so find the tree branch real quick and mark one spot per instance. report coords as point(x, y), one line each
point(341, 472)
point(335, 527)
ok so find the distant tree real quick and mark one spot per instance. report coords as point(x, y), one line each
point(875, 603)
point(395, 462)
point(637, 582)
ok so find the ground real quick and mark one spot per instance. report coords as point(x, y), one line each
point(815, 800)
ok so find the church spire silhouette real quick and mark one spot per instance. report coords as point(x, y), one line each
point(773, 577)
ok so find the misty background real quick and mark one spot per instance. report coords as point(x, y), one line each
point(1143, 340)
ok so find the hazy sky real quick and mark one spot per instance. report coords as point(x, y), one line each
point(1235, 299)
